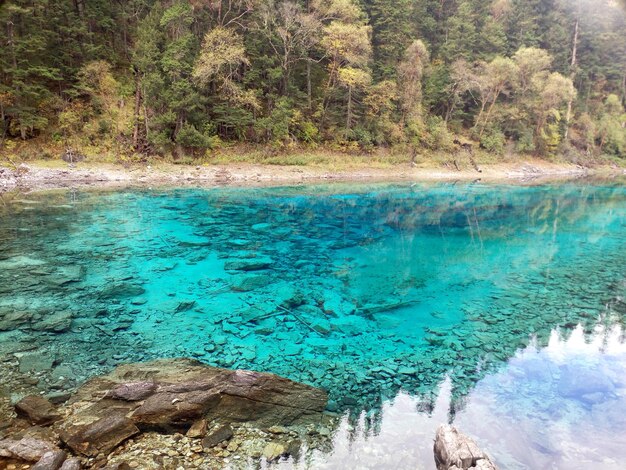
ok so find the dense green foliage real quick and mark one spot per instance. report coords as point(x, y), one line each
point(156, 76)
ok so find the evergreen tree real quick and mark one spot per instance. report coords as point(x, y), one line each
point(179, 75)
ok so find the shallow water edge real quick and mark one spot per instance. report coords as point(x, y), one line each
point(32, 177)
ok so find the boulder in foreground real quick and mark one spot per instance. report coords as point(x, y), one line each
point(455, 451)
point(171, 395)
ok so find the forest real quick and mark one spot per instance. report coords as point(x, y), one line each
point(172, 77)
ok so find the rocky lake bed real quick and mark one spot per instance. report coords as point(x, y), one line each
point(302, 283)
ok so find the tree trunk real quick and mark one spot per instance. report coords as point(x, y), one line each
point(329, 85)
point(449, 111)
point(488, 115)
point(14, 60)
point(145, 121)
point(179, 126)
point(349, 114)
point(624, 90)
point(480, 113)
point(79, 5)
point(568, 115)
point(137, 117)
point(286, 72)
point(3, 123)
point(309, 90)
point(11, 43)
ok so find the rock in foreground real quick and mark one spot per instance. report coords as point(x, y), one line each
point(159, 397)
point(37, 410)
point(455, 451)
point(171, 395)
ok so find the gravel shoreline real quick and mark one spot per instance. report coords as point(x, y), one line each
point(32, 177)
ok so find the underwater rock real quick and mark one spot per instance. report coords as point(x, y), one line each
point(101, 436)
point(249, 354)
point(292, 349)
point(50, 461)
point(36, 362)
point(37, 410)
point(185, 306)
point(228, 328)
point(351, 325)
point(57, 322)
point(287, 295)
point(455, 451)
point(123, 322)
point(321, 326)
point(260, 227)
point(302, 263)
point(249, 264)
point(249, 283)
point(20, 262)
point(11, 320)
point(332, 406)
point(121, 291)
point(238, 242)
point(67, 274)
point(334, 304)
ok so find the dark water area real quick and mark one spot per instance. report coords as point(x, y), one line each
point(499, 308)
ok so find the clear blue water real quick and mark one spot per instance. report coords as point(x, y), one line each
point(500, 308)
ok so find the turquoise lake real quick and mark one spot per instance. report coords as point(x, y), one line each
point(500, 308)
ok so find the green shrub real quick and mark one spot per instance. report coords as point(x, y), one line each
point(190, 137)
point(437, 136)
point(493, 141)
point(526, 142)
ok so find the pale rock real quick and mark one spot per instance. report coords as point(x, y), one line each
point(455, 451)
point(50, 461)
point(273, 451)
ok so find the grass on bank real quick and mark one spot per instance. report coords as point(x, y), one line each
point(49, 154)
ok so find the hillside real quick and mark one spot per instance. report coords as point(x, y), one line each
point(184, 79)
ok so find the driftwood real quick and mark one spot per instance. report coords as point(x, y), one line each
point(469, 149)
point(371, 309)
point(283, 310)
point(299, 318)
